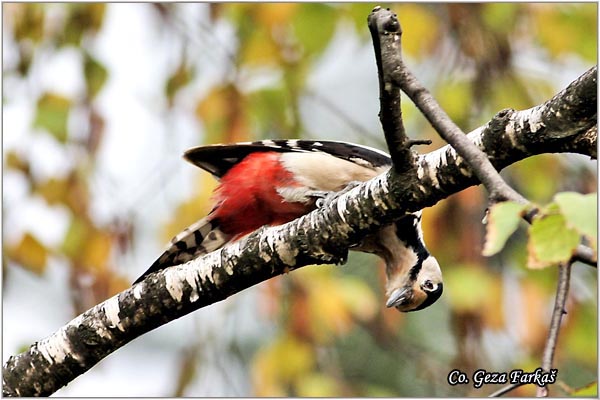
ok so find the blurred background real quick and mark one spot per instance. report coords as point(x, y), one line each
point(101, 100)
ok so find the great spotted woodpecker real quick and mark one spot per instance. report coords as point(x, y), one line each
point(272, 182)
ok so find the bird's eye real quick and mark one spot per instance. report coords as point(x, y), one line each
point(428, 285)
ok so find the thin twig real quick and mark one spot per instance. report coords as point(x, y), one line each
point(586, 255)
point(386, 33)
point(478, 161)
point(564, 275)
point(559, 310)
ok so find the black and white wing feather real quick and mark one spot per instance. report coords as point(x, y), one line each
point(220, 158)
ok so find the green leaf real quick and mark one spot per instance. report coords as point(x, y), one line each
point(357, 12)
point(580, 212)
point(181, 77)
point(566, 30)
point(269, 110)
point(551, 241)
point(27, 21)
point(95, 75)
point(525, 172)
point(468, 287)
point(582, 336)
point(455, 98)
point(503, 221)
point(313, 26)
point(82, 19)
point(75, 237)
point(502, 17)
point(52, 115)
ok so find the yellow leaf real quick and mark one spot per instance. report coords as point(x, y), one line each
point(329, 312)
point(53, 190)
point(260, 48)
point(271, 14)
point(28, 21)
point(312, 29)
point(97, 251)
point(276, 366)
point(420, 29)
point(359, 298)
point(501, 17)
point(317, 385)
point(82, 19)
point(213, 106)
point(589, 390)
point(193, 209)
point(531, 329)
point(567, 29)
point(30, 253)
point(117, 283)
point(14, 161)
point(223, 113)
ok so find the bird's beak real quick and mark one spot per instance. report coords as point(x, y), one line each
point(397, 297)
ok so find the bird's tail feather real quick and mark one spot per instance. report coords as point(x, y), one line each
point(202, 237)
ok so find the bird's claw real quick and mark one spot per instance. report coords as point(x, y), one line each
point(326, 198)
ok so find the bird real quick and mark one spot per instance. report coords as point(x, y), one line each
point(271, 182)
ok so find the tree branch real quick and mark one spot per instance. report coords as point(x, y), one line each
point(564, 276)
point(402, 77)
point(574, 108)
point(386, 32)
point(562, 291)
point(322, 236)
point(482, 168)
point(398, 75)
point(585, 254)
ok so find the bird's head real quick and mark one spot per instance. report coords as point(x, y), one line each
point(416, 291)
point(414, 277)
